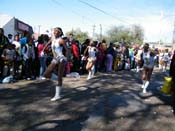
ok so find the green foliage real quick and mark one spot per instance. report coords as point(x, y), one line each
point(78, 35)
point(134, 34)
point(123, 34)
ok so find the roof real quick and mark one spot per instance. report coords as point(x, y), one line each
point(4, 19)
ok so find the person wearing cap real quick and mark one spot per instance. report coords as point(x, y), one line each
point(57, 45)
point(148, 64)
point(10, 38)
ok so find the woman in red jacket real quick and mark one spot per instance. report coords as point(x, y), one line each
point(76, 56)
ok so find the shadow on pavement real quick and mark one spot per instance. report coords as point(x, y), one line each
point(107, 102)
point(58, 125)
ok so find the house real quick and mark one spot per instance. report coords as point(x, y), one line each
point(12, 25)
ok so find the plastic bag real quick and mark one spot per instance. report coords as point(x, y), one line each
point(7, 79)
point(73, 75)
point(166, 88)
point(127, 66)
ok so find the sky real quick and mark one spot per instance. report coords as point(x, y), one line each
point(156, 17)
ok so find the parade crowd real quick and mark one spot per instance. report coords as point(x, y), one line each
point(23, 57)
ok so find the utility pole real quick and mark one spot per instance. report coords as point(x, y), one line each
point(174, 35)
point(100, 32)
point(72, 30)
point(93, 31)
point(39, 26)
point(83, 20)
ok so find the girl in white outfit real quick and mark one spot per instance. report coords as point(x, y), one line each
point(92, 50)
point(57, 44)
point(148, 65)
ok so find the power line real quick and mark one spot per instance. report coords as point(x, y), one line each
point(93, 31)
point(74, 12)
point(102, 11)
point(100, 32)
point(55, 1)
point(174, 34)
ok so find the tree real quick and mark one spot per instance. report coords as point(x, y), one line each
point(123, 34)
point(138, 34)
point(78, 35)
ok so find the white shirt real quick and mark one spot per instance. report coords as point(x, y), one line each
point(138, 55)
point(148, 60)
point(56, 48)
point(92, 52)
point(17, 44)
point(166, 57)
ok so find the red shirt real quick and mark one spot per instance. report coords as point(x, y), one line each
point(40, 49)
point(75, 50)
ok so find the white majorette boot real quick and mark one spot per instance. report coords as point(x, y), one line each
point(146, 85)
point(143, 85)
point(57, 93)
point(92, 71)
point(89, 75)
point(137, 69)
point(164, 69)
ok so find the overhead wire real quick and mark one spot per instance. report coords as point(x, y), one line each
point(102, 11)
point(74, 12)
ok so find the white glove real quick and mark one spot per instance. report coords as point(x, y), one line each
point(42, 53)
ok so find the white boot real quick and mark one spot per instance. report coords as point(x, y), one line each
point(137, 69)
point(164, 69)
point(89, 76)
point(92, 71)
point(145, 87)
point(57, 94)
point(160, 67)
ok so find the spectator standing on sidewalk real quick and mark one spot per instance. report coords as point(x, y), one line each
point(42, 58)
point(8, 56)
point(76, 56)
point(28, 55)
point(3, 41)
point(10, 38)
point(110, 56)
point(17, 65)
point(172, 74)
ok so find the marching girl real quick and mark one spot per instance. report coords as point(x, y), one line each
point(148, 65)
point(90, 67)
point(57, 45)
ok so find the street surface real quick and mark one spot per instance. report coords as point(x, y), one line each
point(108, 102)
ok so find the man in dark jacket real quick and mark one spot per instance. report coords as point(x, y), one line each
point(172, 74)
point(3, 41)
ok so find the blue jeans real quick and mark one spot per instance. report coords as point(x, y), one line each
point(109, 62)
point(42, 65)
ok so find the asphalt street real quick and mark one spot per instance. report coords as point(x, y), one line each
point(108, 102)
